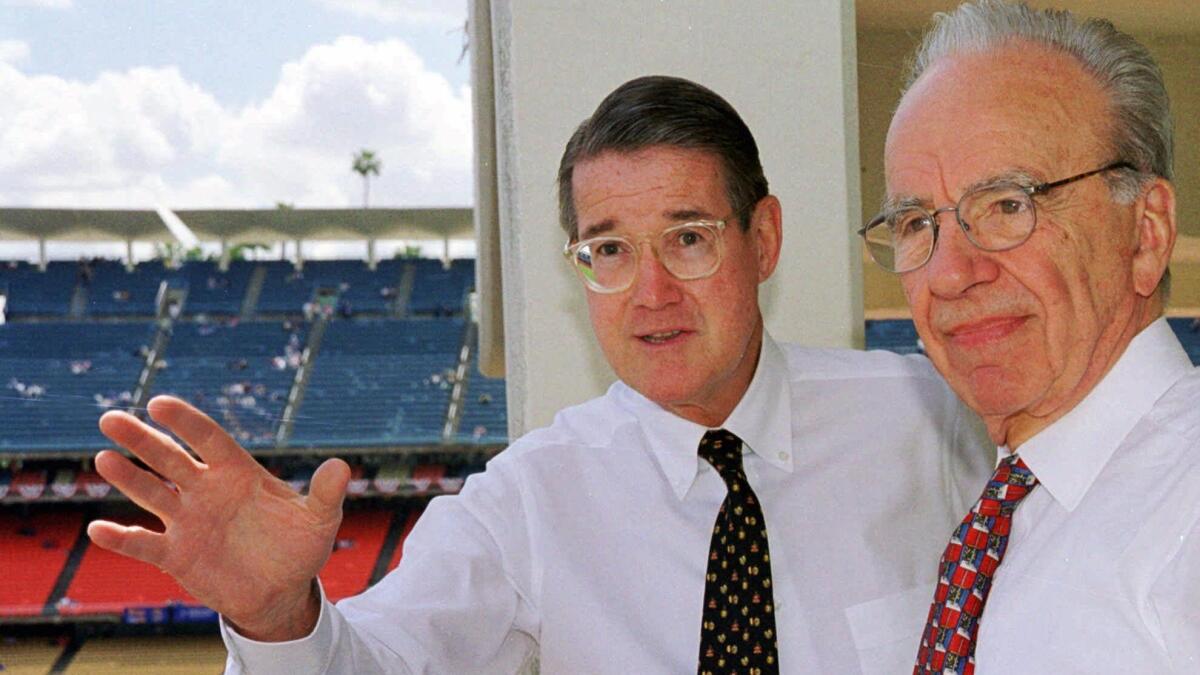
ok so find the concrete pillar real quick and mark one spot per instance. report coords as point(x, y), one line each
point(789, 69)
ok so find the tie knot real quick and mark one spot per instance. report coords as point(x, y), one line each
point(723, 450)
point(1011, 481)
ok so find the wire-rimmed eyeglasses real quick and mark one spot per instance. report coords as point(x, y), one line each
point(995, 217)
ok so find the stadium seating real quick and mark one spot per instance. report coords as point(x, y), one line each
point(379, 382)
point(1188, 331)
point(356, 548)
point(438, 291)
point(211, 291)
point(62, 408)
point(361, 289)
point(92, 589)
point(410, 521)
point(484, 417)
point(32, 292)
point(33, 550)
point(894, 335)
point(116, 292)
point(230, 371)
point(285, 289)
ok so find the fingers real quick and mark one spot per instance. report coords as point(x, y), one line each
point(328, 487)
point(134, 542)
point(143, 488)
point(198, 430)
point(152, 446)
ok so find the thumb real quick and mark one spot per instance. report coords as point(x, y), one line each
point(328, 487)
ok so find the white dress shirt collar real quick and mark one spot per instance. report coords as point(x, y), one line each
point(1067, 456)
point(762, 419)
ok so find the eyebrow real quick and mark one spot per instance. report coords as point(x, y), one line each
point(607, 225)
point(1020, 176)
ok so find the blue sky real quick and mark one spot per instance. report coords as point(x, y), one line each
point(220, 103)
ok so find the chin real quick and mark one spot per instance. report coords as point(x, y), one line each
point(663, 392)
point(992, 394)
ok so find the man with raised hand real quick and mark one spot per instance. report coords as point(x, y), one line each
point(730, 505)
point(1031, 216)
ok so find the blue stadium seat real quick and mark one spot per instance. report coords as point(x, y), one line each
point(439, 291)
point(62, 416)
point(895, 335)
point(229, 371)
point(379, 382)
point(484, 416)
point(32, 292)
point(116, 292)
point(211, 291)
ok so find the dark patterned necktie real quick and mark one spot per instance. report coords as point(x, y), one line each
point(737, 633)
point(966, 570)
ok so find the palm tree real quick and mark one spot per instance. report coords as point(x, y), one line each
point(366, 164)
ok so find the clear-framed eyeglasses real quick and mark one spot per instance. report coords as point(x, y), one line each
point(609, 264)
point(995, 217)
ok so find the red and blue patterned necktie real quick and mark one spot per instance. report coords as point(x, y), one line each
point(966, 570)
point(737, 633)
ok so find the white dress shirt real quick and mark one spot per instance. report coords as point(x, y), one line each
point(584, 544)
point(1102, 571)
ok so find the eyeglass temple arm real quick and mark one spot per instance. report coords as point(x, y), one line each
point(1046, 187)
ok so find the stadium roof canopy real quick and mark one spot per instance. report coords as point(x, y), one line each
point(236, 225)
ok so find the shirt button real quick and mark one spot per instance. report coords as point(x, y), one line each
point(784, 455)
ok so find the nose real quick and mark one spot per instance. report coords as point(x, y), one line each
point(654, 287)
point(957, 264)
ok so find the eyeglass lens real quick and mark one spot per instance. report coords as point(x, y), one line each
point(994, 218)
point(688, 251)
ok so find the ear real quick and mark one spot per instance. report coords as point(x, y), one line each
point(1155, 228)
point(766, 233)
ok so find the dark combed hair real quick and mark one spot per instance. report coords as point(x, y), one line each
point(667, 111)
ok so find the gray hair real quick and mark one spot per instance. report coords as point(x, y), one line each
point(1141, 128)
point(665, 111)
point(1141, 115)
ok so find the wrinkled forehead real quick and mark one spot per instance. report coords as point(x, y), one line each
point(632, 193)
point(977, 117)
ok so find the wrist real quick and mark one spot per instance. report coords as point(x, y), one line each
point(289, 617)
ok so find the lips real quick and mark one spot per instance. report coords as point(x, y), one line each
point(662, 337)
point(982, 331)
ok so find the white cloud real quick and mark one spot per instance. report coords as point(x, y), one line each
point(14, 51)
point(42, 4)
point(148, 136)
point(447, 13)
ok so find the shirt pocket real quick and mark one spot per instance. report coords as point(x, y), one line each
point(887, 630)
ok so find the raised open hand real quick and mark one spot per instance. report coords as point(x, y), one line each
point(237, 538)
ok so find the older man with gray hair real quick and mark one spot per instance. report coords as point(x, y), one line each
point(1030, 215)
